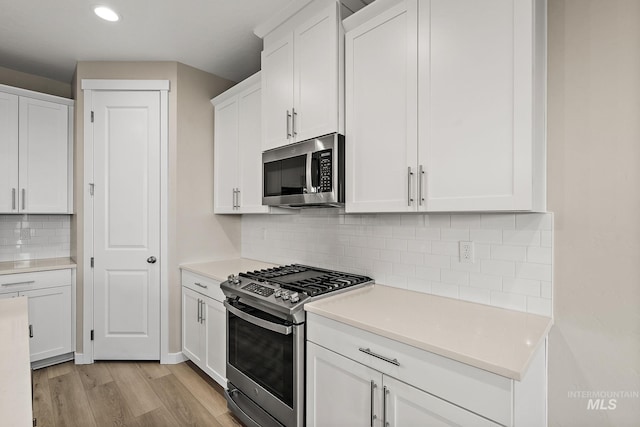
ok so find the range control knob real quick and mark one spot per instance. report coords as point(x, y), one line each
point(277, 293)
point(285, 295)
point(294, 298)
point(233, 279)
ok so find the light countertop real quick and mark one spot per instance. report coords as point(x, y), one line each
point(15, 367)
point(220, 270)
point(494, 339)
point(28, 266)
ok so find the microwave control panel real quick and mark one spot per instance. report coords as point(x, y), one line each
point(325, 166)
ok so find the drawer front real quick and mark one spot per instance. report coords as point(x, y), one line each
point(203, 285)
point(474, 389)
point(37, 280)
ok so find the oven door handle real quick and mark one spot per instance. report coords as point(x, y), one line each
point(281, 329)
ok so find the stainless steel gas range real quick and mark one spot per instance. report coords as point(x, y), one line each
point(266, 339)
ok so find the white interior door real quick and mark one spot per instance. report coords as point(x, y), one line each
point(126, 132)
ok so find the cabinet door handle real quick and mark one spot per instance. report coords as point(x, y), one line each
point(420, 178)
point(30, 331)
point(28, 282)
point(409, 176)
point(288, 125)
point(24, 192)
point(238, 198)
point(202, 318)
point(295, 115)
point(198, 310)
point(373, 416)
point(386, 359)
point(13, 199)
point(385, 391)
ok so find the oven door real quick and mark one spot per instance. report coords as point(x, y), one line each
point(265, 361)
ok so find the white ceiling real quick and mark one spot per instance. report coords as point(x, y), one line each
point(48, 37)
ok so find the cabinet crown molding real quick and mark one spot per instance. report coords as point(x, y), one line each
point(37, 95)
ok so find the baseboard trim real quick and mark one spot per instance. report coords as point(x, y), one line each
point(51, 361)
point(173, 358)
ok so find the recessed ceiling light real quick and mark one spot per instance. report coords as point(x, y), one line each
point(106, 13)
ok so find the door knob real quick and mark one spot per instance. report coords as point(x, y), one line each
point(151, 260)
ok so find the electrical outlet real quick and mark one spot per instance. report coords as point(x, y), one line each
point(466, 252)
point(25, 233)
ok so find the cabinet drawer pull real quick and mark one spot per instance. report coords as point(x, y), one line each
point(13, 199)
point(201, 285)
point(386, 359)
point(28, 282)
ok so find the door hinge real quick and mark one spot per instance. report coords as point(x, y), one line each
point(92, 262)
point(92, 117)
point(35, 422)
point(91, 188)
point(92, 335)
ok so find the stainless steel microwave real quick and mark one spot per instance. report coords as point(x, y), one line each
point(305, 174)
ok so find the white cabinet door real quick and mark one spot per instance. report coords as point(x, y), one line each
point(381, 112)
point(49, 322)
point(277, 93)
point(216, 340)
point(316, 76)
point(250, 151)
point(476, 98)
point(341, 392)
point(8, 153)
point(44, 157)
point(407, 406)
point(192, 326)
point(226, 156)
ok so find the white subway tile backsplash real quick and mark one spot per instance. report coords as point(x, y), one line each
point(485, 281)
point(498, 268)
point(509, 253)
point(485, 236)
point(539, 255)
point(521, 286)
point(49, 237)
point(509, 301)
point(454, 234)
point(513, 253)
point(521, 237)
point(481, 296)
point(499, 221)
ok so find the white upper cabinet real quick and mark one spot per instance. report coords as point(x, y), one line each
point(302, 74)
point(473, 139)
point(381, 109)
point(35, 148)
point(8, 152)
point(237, 149)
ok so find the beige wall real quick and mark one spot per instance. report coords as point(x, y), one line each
point(594, 190)
point(190, 139)
point(36, 83)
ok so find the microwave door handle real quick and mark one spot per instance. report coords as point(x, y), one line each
point(315, 170)
point(310, 186)
point(281, 329)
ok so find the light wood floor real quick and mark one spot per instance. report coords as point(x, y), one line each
point(131, 394)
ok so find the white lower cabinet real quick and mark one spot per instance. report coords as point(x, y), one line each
point(357, 378)
point(50, 312)
point(204, 325)
point(342, 392)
